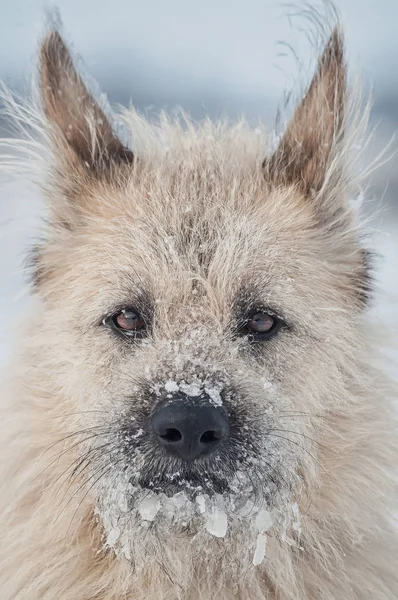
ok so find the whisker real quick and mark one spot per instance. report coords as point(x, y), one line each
point(108, 468)
point(85, 412)
point(292, 413)
point(86, 457)
point(301, 447)
point(80, 461)
point(306, 437)
point(103, 473)
point(96, 471)
point(63, 452)
point(74, 433)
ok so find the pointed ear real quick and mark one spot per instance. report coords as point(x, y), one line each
point(80, 128)
point(312, 137)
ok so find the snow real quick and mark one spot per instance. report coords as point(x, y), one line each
point(193, 389)
point(263, 521)
point(201, 502)
point(139, 433)
point(214, 395)
point(296, 524)
point(216, 522)
point(197, 388)
point(126, 512)
point(171, 386)
point(113, 536)
point(149, 507)
point(261, 546)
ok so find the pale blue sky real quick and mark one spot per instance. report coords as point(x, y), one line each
point(221, 53)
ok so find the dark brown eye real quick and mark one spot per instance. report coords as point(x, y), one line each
point(262, 325)
point(127, 321)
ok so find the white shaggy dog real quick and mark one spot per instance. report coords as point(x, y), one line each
point(194, 412)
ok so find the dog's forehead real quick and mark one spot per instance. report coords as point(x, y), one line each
point(196, 215)
point(229, 251)
point(234, 232)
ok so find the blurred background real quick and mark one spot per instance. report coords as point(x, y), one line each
point(213, 57)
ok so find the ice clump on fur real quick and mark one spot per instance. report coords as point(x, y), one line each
point(261, 547)
point(216, 520)
point(149, 507)
point(263, 523)
point(171, 386)
point(197, 389)
point(214, 395)
point(130, 514)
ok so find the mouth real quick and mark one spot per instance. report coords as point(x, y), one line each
point(231, 472)
point(149, 468)
point(185, 480)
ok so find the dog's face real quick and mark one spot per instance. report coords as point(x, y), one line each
point(201, 308)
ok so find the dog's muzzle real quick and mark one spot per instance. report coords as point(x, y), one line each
point(189, 427)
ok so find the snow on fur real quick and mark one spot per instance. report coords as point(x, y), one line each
point(197, 228)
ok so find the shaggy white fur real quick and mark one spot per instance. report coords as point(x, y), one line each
point(196, 223)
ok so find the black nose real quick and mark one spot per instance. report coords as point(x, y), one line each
point(189, 429)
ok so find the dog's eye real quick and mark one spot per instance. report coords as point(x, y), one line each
point(262, 325)
point(127, 321)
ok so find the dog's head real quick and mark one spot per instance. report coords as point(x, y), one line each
point(200, 306)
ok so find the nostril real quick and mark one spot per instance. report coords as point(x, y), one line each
point(188, 429)
point(209, 437)
point(171, 435)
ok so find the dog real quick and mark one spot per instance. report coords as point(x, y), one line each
point(194, 409)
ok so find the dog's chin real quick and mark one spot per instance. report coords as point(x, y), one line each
point(165, 503)
point(139, 519)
